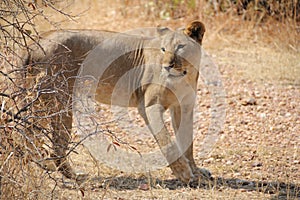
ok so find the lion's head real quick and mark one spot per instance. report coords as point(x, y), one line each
point(181, 50)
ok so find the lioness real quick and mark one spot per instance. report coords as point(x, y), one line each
point(163, 73)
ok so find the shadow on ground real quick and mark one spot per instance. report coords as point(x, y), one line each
point(279, 190)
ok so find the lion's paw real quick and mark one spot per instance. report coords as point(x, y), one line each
point(201, 173)
point(182, 170)
point(80, 177)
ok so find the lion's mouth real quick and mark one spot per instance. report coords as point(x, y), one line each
point(173, 73)
point(175, 76)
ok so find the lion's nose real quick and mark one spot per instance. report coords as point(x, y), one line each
point(172, 65)
point(169, 66)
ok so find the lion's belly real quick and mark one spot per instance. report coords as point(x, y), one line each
point(116, 95)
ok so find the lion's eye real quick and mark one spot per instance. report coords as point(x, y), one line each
point(163, 49)
point(180, 46)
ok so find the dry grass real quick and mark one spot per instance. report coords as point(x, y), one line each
point(257, 156)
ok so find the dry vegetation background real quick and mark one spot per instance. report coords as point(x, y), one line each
point(257, 48)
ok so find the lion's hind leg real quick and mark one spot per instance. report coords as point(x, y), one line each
point(61, 138)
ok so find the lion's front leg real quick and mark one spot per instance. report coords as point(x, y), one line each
point(179, 164)
point(183, 128)
point(182, 121)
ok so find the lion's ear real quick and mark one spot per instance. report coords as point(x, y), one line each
point(195, 30)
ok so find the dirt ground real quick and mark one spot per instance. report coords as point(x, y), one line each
point(258, 153)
